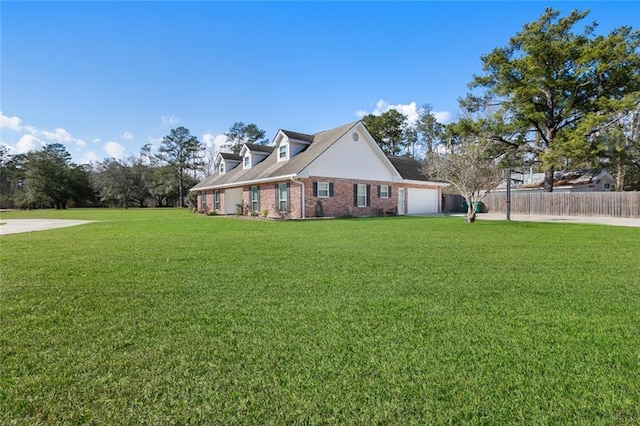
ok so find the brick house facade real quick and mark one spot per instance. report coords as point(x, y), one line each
point(339, 172)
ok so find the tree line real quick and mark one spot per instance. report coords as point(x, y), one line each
point(552, 98)
point(47, 178)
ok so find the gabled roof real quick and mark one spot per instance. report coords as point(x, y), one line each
point(562, 178)
point(258, 148)
point(270, 169)
point(299, 136)
point(566, 178)
point(409, 168)
point(230, 156)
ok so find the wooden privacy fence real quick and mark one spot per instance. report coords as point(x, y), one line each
point(612, 204)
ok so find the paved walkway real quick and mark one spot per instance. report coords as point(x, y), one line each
point(16, 226)
point(601, 220)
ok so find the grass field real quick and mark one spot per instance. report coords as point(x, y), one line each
point(166, 317)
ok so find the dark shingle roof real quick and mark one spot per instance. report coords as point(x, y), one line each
point(409, 168)
point(259, 148)
point(270, 168)
point(230, 156)
point(299, 136)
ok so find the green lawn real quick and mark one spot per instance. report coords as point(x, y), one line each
point(166, 317)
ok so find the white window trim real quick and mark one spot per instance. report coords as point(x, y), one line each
point(362, 187)
point(246, 162)
point(286, 152)
point(281, 200)
point(384, 194)
point(216, 199)
point(257, 200)
point(221, 168)
point(325, 189)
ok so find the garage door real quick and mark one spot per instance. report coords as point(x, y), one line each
point(422, 201)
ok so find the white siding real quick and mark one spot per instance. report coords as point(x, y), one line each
point(351, 159)
point(422, 201)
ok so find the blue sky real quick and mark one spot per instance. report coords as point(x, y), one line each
point(105, 78)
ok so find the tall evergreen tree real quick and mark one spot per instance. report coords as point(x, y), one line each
point(429, 129)
point(179, 149)
point(389, 130)
point(241, 133)
point(550, 88)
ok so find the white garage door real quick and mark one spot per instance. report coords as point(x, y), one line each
point(422, 201)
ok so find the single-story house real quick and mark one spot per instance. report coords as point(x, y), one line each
point(334, 173)
point(563, 181)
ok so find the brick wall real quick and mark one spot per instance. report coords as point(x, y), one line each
point(209, 200)
point(268, 201)
point(342, 201)
point(340, 204)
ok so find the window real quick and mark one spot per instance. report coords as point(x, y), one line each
point(221, 168)
point(607, 186)
point(247, 162)
point(323, 189)
point(361, 195)
point(384, 191)
point(203, 201)
point(283, 196)
point(255, 199)
point(282, 152)
point(216, 200)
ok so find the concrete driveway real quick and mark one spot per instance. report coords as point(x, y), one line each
point(601, 220)
point(16, 226)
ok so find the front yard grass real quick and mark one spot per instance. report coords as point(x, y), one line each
point(166, 317)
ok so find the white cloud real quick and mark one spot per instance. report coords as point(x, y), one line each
point(442, 116)
point(155, 142)
point(13, 123)
point(215, 141)
point(411, 110)
point(58, 135)
point(88, 157)
point(95, 140)
point(28, 143)
point(169, 120)
point(31, 129)
point(33, 138)
point(127, 136)
point(115, 150)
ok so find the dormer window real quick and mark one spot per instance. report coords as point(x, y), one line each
point(221, 168)
point(282, 152)
point(246, 162)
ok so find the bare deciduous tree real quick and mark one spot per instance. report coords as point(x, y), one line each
point(470, 167)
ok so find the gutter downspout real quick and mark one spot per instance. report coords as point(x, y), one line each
point(302, 209)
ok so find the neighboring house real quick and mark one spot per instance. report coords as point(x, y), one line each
point(334, 173)
point(564, 181)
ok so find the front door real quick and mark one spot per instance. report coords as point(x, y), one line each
point(400, 201)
